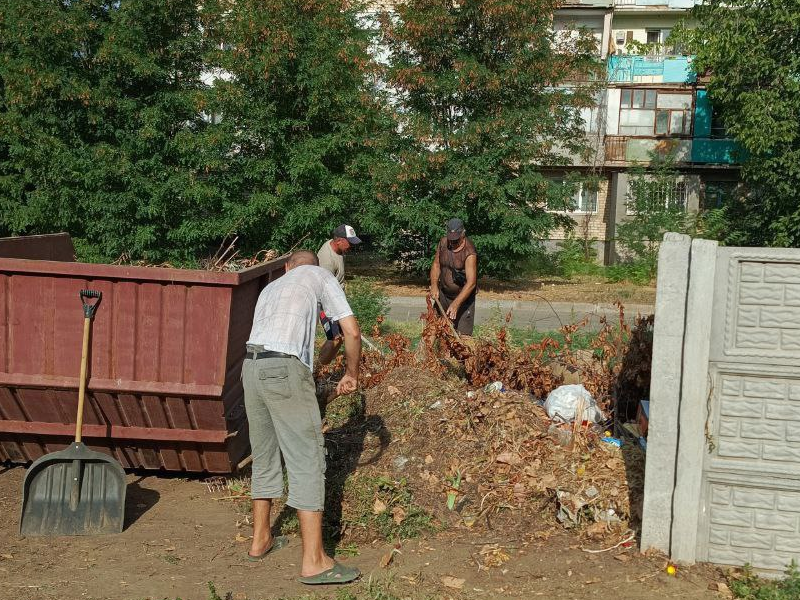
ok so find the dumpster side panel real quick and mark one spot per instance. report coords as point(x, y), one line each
point(167, 347)
point(158, 358)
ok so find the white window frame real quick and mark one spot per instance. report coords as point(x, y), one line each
point(581, 200)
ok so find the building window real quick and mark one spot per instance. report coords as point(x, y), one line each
point(583, 199)
point(655, 113)
point(671, 196)
point(657, 42)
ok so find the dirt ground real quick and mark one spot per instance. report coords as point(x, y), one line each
point(178, 537)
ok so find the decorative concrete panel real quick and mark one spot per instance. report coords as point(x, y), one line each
point(747, 525)
point(759, 421)
point(763, 307)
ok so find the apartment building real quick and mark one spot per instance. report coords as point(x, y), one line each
point(651, 101)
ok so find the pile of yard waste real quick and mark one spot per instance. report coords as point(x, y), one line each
point(455, 434)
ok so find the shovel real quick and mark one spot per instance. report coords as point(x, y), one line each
point(75, 491)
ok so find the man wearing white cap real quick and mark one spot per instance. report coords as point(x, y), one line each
point(331, 254)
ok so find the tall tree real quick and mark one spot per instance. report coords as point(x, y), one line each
point(300, 123)
point(750, 49)
point(99, 111)
point(483, 110)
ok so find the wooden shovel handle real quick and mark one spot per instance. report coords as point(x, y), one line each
point(87, 325)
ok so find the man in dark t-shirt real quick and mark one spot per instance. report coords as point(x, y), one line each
point(454, 276)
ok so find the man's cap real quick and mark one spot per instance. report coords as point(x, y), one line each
point(455, 227)
point(347, 232)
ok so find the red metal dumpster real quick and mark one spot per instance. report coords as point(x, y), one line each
point(167, 348)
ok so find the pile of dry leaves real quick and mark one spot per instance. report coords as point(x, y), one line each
point(478, 459)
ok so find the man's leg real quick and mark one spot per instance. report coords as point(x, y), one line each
point(315, 560)
point(267, 479)
point(299, 429)
point(262, 534)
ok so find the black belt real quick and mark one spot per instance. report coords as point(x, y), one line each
point(267, 354)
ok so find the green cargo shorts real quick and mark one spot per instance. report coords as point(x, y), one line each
point(284, 419)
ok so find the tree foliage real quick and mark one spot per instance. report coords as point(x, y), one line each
point(301, 124)
point(750, 50)
point(483, 109)
point(98, 115)
point(110, 128)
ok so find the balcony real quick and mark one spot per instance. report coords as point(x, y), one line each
point(711, 151)
point(650, 69)
point(587, 3)
point(645, 4)
point(623, 150)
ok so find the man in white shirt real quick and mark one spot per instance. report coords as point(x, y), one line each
point(331, 253)
point(282, 410)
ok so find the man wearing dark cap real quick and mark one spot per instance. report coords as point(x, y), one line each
point(331, 254)
point(454, 276)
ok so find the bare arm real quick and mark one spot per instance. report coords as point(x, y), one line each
point(435, 270)
point(471, 269)
point(352, 353)
point(329, 350)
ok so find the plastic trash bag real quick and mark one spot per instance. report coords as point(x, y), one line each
point(563, 402)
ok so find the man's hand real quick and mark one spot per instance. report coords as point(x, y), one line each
point(452, 310)
point(347, 385)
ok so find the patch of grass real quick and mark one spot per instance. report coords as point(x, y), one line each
point(348, 550)
point(290, 523)
point(410, 329)
point(746, 585)
point(171, 559)
point(343, 409)
point(401, 518)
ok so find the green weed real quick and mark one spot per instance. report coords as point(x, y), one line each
point(348, 550)
point(400, 518)
point(748, 586)
point(368, 300)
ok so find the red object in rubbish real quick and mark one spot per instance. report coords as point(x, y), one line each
point(167, 347)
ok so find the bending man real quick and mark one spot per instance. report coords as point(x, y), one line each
point(282, 409)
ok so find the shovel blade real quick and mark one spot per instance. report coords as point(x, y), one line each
point(73, 492)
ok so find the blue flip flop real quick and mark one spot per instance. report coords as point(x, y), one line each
point(336, 574)
point(277, 543)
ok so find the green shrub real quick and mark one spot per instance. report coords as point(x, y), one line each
point(640, 272)
point(748, 586)
point(655, 208)
point(577, 256)
point(368, 300)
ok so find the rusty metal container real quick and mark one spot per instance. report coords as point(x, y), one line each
point(164, 388)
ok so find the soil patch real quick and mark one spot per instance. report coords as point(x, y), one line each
point(179, 537)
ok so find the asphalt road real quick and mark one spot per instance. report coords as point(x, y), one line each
point(539, 315)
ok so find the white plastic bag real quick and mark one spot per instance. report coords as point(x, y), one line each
point(563, 402)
